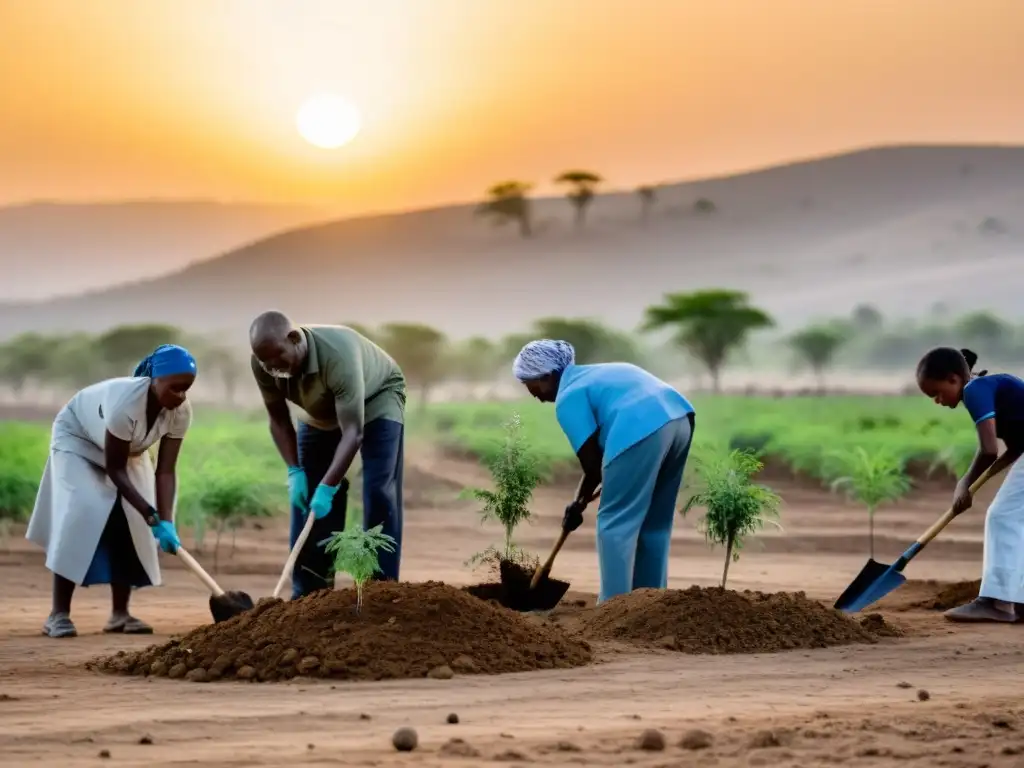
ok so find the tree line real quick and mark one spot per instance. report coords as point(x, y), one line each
point(508, 202)
point(710, 328)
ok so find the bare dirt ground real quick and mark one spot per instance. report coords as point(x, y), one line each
point(856, 705)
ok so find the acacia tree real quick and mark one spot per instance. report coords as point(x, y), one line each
point(124, 346)
point(817, 346)
point(647, 194)
point(708, 324)
point(23, 359)
point(593, 341)
point(581, 191)
point(475, 360)
point(506, 202)
point(419, 350)
point(363, 330)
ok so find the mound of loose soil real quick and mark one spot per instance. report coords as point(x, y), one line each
point(916, 595)
point(403, 631)
point(699, 620)
point(950, 595)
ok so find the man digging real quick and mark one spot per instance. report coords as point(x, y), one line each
point(352, 399)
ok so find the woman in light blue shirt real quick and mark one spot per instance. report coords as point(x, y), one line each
point(631, 431)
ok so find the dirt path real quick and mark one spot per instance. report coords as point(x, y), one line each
point(826, 707)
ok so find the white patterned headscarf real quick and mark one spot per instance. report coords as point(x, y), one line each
point(542, 357)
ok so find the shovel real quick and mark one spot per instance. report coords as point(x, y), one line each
point(877, 580)
point(541, 593)
point(223, 605)
point(289, 564)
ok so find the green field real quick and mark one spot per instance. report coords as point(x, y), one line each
point(231, 471)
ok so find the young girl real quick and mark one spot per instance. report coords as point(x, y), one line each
point(102, 509)
point(996, 405)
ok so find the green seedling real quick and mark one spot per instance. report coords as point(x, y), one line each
point(871, 479)
point(514, 471)
point(357, 553)
point(735, 507)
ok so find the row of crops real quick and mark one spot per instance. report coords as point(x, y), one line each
point(230, 470)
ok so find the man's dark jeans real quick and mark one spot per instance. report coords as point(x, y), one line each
point(382, 454)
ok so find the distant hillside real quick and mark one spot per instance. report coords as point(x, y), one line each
point(47, 249)
point(904, 228)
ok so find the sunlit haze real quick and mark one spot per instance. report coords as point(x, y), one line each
point(199, 99)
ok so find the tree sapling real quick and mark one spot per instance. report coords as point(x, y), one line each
point(356, 554)
point(872, 479)
point(514, 470)
point(735, 506)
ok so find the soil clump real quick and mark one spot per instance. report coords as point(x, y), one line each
point(702, 620)
point(403, 631)
point(950, 595)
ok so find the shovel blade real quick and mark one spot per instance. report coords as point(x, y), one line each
point(875, 581)
point(520, 597)
point(229, 605)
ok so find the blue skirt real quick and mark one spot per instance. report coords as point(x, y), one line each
point(115, 560)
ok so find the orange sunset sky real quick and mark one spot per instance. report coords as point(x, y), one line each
point(109, 99)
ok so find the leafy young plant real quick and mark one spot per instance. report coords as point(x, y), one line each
point(514, 470)
point(356, 553)
point(735, 507)
point(871, 479)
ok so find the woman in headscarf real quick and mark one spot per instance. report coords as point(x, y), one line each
point(98, 461)
point(631, 431)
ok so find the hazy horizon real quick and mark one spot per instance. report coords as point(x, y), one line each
point(192, 100)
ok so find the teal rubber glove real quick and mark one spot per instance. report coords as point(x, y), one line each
point(298, 487)
point(166, 536)
point(323, 498)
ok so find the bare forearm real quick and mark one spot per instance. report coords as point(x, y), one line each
point(128, 491)
point(587, 485)
point(343, 457)
point(982, 461)
point(283, 433)
point(166, 489)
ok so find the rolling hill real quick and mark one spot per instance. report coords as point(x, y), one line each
point(904, 228)
point(48, 249)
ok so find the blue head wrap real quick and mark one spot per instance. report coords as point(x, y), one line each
point(167, 360)
point(539, 358)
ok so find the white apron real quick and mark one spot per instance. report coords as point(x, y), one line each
point(1002, 574)
point(75, 494)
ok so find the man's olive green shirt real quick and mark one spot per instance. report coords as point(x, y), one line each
point(344, 373)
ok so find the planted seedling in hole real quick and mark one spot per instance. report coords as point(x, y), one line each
point(515, 473)
point(356, 553)
point(735, 506)
point(872, 479)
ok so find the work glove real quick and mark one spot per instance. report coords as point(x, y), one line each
point(573, 517)
point(166, 536)
point(323, 499)
point(298, 487)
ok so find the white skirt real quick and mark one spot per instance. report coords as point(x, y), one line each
point(74, 501)
point(1002, 575)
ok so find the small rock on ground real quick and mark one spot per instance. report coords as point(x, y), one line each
point(696, 739)
point(443, 672)
point(405, 739)
point(651, 740)
point(923, 695)
point(458, 748)
point(453, 719)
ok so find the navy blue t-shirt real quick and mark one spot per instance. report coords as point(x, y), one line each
point(998, 396)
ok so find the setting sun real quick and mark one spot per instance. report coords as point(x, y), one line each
point(328, 121)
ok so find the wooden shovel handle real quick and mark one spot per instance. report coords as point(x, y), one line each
point(538, 574)
point(289, 564)
point(994, 469)
point(193, 565)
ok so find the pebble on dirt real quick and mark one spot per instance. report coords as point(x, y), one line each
point(923, 695)
point(405, 739)
point(651, 740)
point(696, 739)
point(146, 740)
point(453, 719)
point(443, 672)
point(904, 684)
point(105, 753)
